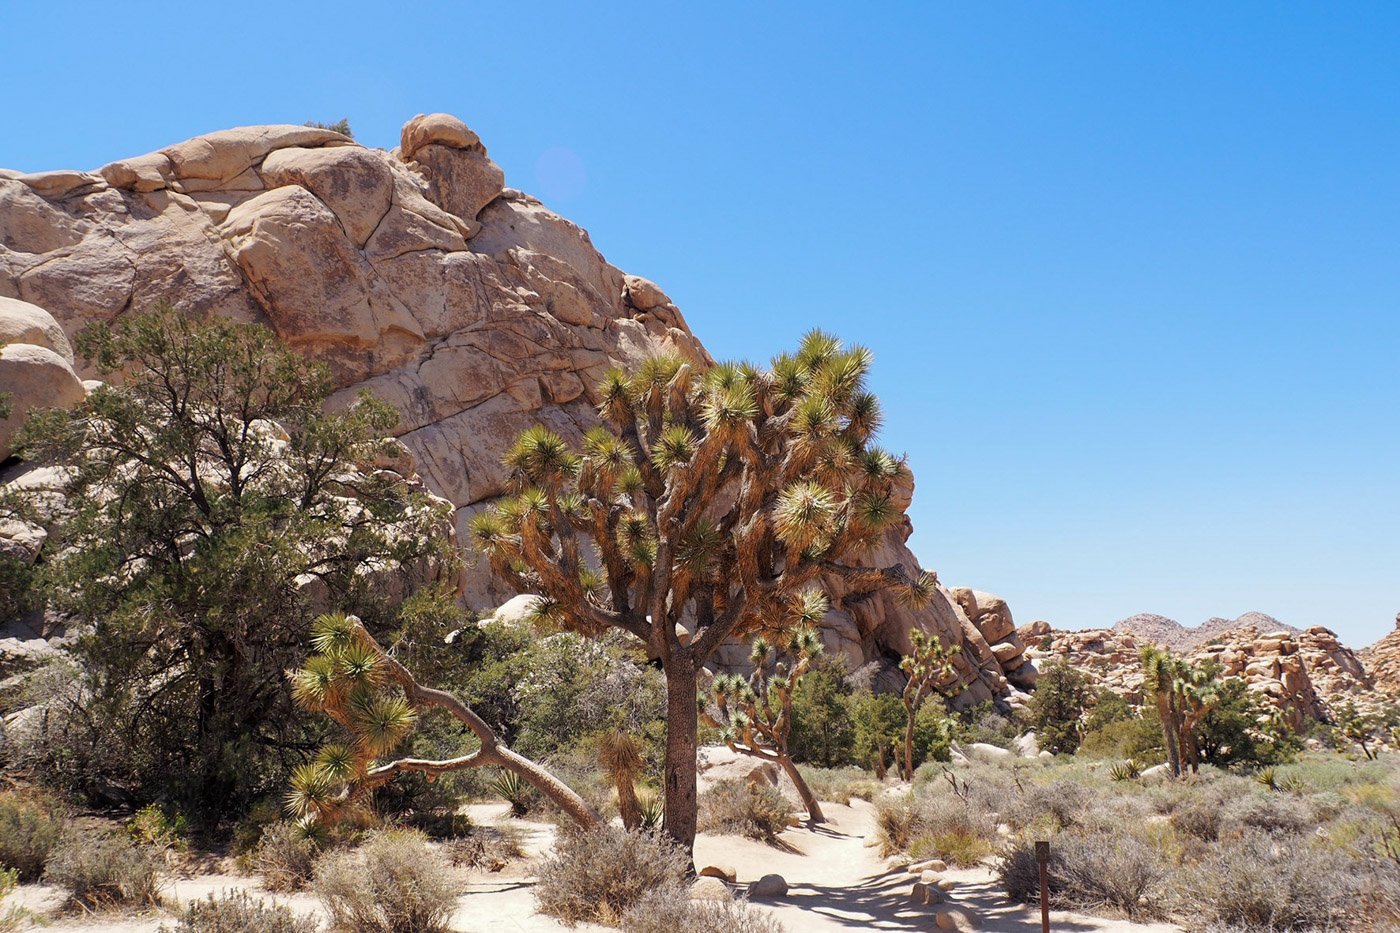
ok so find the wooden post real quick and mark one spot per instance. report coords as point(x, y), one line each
point(1042, 858)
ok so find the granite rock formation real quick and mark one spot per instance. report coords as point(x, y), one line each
point(415, 274)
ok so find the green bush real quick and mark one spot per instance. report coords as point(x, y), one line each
point(394, 883)
point(670, 910)
point(30, 827)
point(239, 913)
point(104, 869)
point(1138, 739)
point(736, 807)
point(596, 875)
point(285, 857)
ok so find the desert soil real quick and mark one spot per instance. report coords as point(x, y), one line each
point(836, 883)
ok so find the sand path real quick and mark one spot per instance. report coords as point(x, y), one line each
point(836, 883)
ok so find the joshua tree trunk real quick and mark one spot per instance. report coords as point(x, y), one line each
point(809, 799)
point(907, 772)
point(682, 732)
point(880, 760)
point(1169, 733)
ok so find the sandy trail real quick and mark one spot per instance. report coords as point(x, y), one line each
point(837, 884)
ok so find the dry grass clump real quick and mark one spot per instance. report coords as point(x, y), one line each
point(1093, 871)
point(395, 883)
point(1273, 882)
point(596, 875)
point(30, 829)
point(104, 869)
point(738, 808)
point(486, 847)
point(285, 857)
point(670, 910)
point(840, 785)
point(1272, 812)
point(937, 826)
point(239, 913)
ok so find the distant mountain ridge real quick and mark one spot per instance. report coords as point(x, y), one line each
point(1178, 637)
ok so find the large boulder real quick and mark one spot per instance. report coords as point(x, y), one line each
point(34, 377)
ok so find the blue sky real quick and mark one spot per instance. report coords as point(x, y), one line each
point(1131, 272)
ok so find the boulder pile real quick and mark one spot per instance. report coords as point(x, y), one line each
point(416, 274)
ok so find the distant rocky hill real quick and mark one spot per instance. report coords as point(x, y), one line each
point(1382, 660)
point(1146, 626)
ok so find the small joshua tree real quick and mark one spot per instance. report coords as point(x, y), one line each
point(620, 756)
point(756, 714)
point(358, 684)
point(928, 667)
point(713, 497)
point(1159, 669)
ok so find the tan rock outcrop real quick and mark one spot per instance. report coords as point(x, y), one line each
point(34, 377)
point(415, 274)
point(1382, 662)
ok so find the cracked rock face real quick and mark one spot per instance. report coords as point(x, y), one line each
point(415, 274)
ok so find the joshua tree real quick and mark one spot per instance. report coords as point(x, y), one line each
point(358, 684)
point(1357, 727)
point(621, 756)
point(929, 666)
point(704, 511)
point(1159, 668)
point(1197, 694)
point(761, 720)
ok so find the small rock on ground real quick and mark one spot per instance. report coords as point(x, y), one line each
point(769, 886)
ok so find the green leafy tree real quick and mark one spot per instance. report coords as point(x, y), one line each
point(880, 721)
point(823, 727)
point(1240, 731)
point(1062, 694)
point(928, 668)
point(714, 498)
point(212, 507)
point(756, 713)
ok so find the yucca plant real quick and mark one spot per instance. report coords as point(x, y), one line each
point(1128, 770)
point(357, 683)
point(513, 791)
point(756, 713)
point(929, 668)
point(620, 755)
point(715, 495)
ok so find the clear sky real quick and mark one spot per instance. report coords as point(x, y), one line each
point(1131, 271)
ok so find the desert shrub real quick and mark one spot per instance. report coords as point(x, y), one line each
point(1094, 871)
point(285, 857)
point(936, 825)
point(11, 917)
point(736, 807)
point(239, 913)
point(1269, 882)
point(839, 785)
point(1138, 739)
point(982, 723)
point(1062, 804)
point(341, 126)
point(596, 875)
point(102, 869)
point(395, 883)
point(1275, 813)
point(1326, 806)
point(158, 827)
point(670, 910)
point(438, 822)
point(488, 847)
point(248, 830)
point(1199, 816)
point(30, 827)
